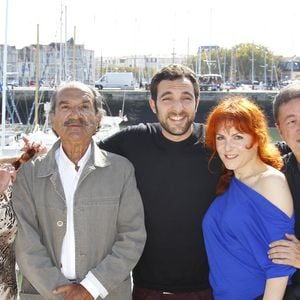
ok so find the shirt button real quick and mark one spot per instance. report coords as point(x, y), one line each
point(60, 223)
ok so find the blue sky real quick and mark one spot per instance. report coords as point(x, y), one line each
point(156, 27)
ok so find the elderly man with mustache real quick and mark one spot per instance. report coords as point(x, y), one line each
point(81, 222)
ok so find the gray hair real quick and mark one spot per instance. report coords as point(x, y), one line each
point(286, 94)
point(97, 98)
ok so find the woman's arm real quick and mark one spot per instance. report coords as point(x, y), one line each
point(275, 288)
point(7, 174)
point(8, 159)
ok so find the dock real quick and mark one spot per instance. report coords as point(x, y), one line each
point(134, 103)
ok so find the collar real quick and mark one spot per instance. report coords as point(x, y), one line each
point(97, 158)
point(290, 162)
point(63, 159)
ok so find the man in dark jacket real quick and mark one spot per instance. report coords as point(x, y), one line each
point(286, 109)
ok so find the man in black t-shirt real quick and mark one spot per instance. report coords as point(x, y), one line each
point(176, 185)
point(286, 110)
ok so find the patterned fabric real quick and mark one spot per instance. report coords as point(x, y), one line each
point(8, 229)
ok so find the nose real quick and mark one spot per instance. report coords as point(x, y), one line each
point(75, 111)
point(228, 145)
point(177, 105)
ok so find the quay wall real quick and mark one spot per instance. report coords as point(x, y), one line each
point(133, 103)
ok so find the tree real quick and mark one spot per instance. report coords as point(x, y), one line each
point(240, 63)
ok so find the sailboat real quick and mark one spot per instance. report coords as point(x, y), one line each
point(9, 132)
point(4, 83)
point(43, 134)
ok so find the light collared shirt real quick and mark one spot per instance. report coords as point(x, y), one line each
point(69, 178)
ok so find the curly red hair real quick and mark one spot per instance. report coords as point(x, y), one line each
point(246, 117)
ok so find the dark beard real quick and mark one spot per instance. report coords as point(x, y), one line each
point(176, 131)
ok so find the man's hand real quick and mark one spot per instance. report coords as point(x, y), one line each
point(73, 292)
point(38, 148)
point(286, 252)
point(30, 149)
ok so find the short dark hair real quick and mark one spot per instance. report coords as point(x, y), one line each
point(174, 72)
point(97, 98)
point(286, 94)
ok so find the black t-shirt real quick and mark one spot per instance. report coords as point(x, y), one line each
point(292, 174)
point(176, 188)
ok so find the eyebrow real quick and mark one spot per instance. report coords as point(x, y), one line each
point(68, 101)
point(170, 93)
point(60, 102)
point(237, 133)
point(289, 116)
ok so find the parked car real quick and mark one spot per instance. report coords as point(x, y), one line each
point(12, 83)
point(210, 82)
point(228, 86)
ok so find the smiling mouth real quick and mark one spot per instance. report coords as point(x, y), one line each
point(177, 118)
point(230, 156)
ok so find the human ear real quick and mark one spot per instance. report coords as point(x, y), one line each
point(152, 104)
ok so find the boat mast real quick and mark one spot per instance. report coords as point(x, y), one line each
point(224, 67)
point(74, 56)
point(252, 66)
point(4, 87)
point(210, 38)
point(60, 44)
point(66, 46)
point(233, 66)
point(37, 83)
point(199, 59)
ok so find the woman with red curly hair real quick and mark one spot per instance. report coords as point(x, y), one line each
point(254, 206)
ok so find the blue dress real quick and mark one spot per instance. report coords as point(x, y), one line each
point(238, 227)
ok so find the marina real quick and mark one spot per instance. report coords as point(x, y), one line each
point(122, 108)
point(134, 103)
point(31, 73)
point(78, 194)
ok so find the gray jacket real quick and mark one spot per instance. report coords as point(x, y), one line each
point(108, 223)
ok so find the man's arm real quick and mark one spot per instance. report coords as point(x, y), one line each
point(130, 237)
point(113, 142)
point(31, 255)
point(286, 252)
point(8, 159)
point(7, 175)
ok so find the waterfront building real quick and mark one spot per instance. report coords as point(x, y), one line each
point(12, 64)
point(64, 61)
point(57, 62)
point(290, 69)
point(144, 66)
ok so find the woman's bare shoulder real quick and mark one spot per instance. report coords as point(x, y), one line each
point(272, 184)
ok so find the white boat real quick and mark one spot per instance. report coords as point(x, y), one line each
point(13, 132)
point(109, 126)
